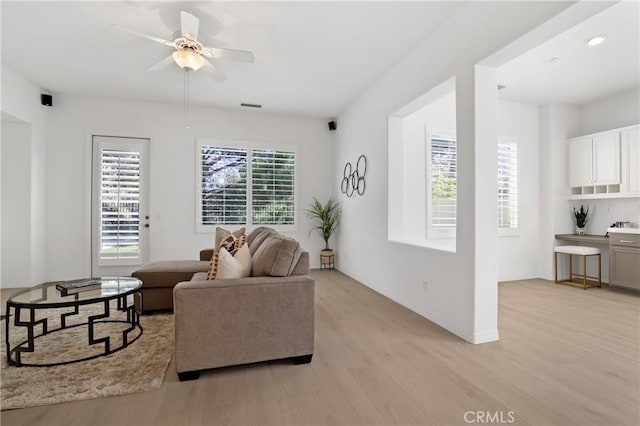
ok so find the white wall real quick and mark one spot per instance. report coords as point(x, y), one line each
point(461, 292)
point(557, 122)
point(21, 100)
point(518, 254)
point(16, 204)
point(441, 114)
point(618, 110)
point(602, 213)
point(172, 164)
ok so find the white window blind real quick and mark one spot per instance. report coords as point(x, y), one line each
point(443, 182)
point(224, 186)
point(120, 204)
point(245, 186)
point(507, 185)
point(272, 187)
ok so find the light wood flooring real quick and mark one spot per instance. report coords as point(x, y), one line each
point(565, 357)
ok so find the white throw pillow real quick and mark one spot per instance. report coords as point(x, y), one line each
point(238, 266)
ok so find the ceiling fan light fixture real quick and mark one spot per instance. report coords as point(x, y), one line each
point(188, 59)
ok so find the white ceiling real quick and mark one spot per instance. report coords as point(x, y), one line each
point(582, 73)
point(312, 58)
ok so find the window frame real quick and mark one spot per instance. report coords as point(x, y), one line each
point(502, 230)
point(250, 147)
point(437, 232)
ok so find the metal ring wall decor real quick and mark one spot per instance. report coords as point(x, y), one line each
point(353, 179)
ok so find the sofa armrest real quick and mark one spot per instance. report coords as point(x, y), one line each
point(206, 254)
point(245, 320)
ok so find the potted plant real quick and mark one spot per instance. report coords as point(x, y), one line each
point(582, 217)
point(325, 220)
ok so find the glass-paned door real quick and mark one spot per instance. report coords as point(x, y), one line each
point(120, 217)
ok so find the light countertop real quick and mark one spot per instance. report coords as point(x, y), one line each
point(624, 230)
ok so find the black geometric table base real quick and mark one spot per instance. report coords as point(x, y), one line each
point(14, 354)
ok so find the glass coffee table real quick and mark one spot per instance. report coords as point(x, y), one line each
point(54, 307)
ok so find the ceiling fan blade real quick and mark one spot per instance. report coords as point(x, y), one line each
point(232, 54)
point(162, 64)
point(147, 36)
point(189, 25)
point(216, 75)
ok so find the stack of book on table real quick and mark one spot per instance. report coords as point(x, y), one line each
point(76, 286)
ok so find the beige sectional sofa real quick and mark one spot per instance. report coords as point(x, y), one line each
point(267, 316)
point(159, 278)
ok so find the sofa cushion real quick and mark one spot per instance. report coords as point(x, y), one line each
point(200, 276)
point(260, 229)
point(259, 237)
point(226, 266)
point(277, 256)
point(167, 273)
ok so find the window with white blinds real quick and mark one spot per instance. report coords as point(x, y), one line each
point(245, 186)
point(120, 204)
point(442, 182)
point(272, 187)
point(507, 185)
point(441, 212)
point(224, 186)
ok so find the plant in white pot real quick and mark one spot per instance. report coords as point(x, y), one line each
point(582, 217)
point(325, 219)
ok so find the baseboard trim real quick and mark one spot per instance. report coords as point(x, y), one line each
point(485, 337)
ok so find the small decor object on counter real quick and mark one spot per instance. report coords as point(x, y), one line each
point(582, 217)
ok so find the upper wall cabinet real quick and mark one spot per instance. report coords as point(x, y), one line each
point(606, 159)
point(630, 165)
point(580, 162)
point(605, 165)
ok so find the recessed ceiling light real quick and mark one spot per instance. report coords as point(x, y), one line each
point(596, 40)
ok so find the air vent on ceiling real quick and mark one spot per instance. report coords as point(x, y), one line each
point(251, 105)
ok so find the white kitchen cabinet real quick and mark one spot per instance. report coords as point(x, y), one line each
point(595, 165)
point(580, 162)
point(630, 164)
point(606, 159)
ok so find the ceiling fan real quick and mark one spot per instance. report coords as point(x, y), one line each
point(190, 54)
